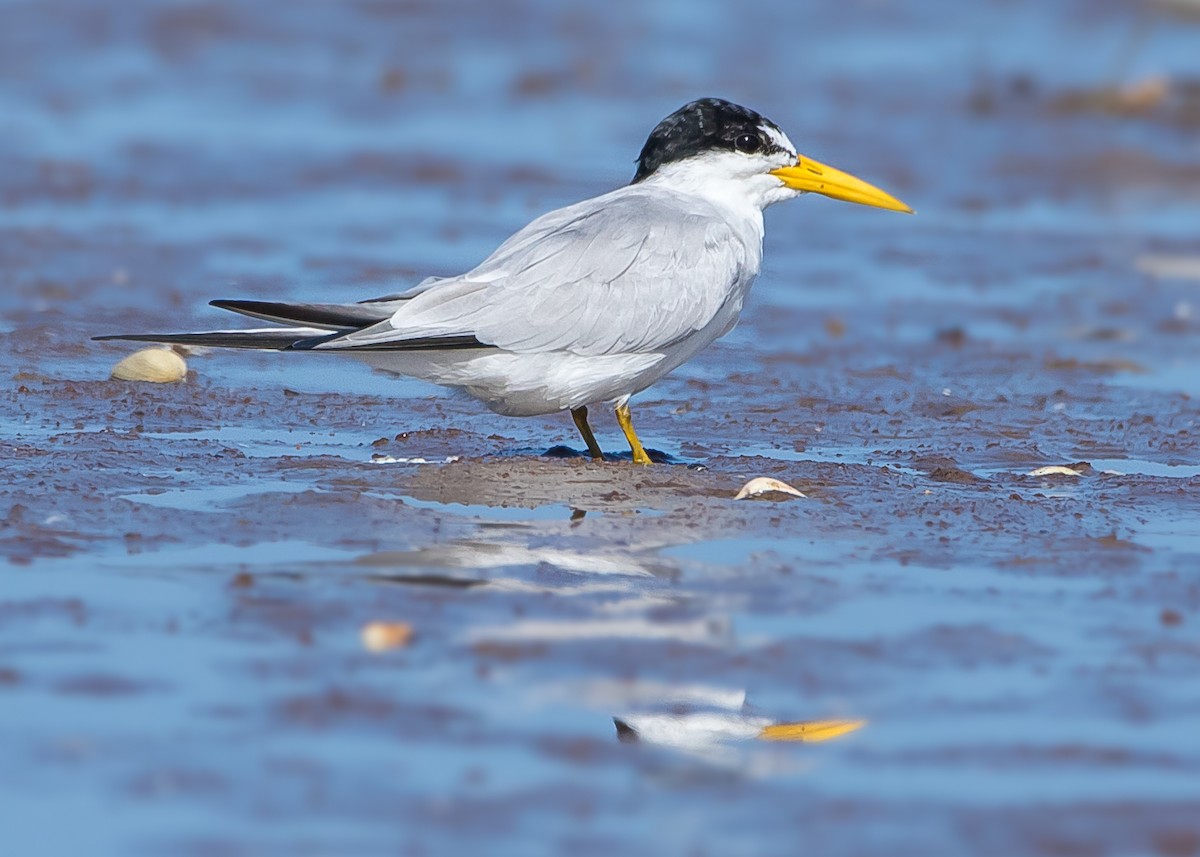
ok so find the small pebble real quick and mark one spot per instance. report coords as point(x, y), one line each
point(383, 636)
point(156, 365)
point(765, 485)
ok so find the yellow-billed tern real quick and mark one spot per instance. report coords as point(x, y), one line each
point(590, 303)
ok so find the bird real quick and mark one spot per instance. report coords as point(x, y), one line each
point(590, 303)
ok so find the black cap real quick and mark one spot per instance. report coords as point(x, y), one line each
point(706, 125)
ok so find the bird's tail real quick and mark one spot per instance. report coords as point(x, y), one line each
point(312, 326)
point(263, 339)
point(305, 325)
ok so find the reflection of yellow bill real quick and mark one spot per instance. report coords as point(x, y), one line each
point(811, 731)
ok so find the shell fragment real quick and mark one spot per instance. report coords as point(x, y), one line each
point(765, 485)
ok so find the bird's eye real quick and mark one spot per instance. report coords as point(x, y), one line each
point(748, 143)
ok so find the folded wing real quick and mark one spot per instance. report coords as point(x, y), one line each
point(631, 272)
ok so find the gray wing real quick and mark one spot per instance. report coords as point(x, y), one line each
point(628, 272)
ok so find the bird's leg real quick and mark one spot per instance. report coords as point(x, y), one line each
point(581, 423)
point(626, 421)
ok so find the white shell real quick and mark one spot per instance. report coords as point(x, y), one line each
point(157, 365)
point(765, 485)
point(1055, 470)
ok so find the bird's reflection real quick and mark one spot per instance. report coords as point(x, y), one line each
point(480, 555)
point(704, 729)
point(712, 726)
point(708, 724)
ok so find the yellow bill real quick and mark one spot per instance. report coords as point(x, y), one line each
point(810, 731)
point(815, 177)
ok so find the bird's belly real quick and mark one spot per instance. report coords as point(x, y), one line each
point(523, 385)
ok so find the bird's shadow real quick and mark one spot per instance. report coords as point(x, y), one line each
point(561, 451)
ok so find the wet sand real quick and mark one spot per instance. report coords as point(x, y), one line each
point(189, 566)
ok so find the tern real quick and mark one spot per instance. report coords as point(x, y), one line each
point(590, 303)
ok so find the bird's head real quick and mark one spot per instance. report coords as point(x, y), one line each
point(713, 145)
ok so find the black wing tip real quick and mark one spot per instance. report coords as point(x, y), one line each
point(283, 340)
point(123, 337)
point(244, 305)
point(329, 316)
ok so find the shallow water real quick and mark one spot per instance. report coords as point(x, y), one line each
point(189, 566)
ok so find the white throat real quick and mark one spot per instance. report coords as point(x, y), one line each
point(732, 182)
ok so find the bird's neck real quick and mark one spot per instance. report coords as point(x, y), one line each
point(736, 198)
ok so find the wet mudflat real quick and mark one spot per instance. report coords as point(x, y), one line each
point(188, 567)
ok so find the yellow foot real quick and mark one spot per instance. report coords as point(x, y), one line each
point(626, 421)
